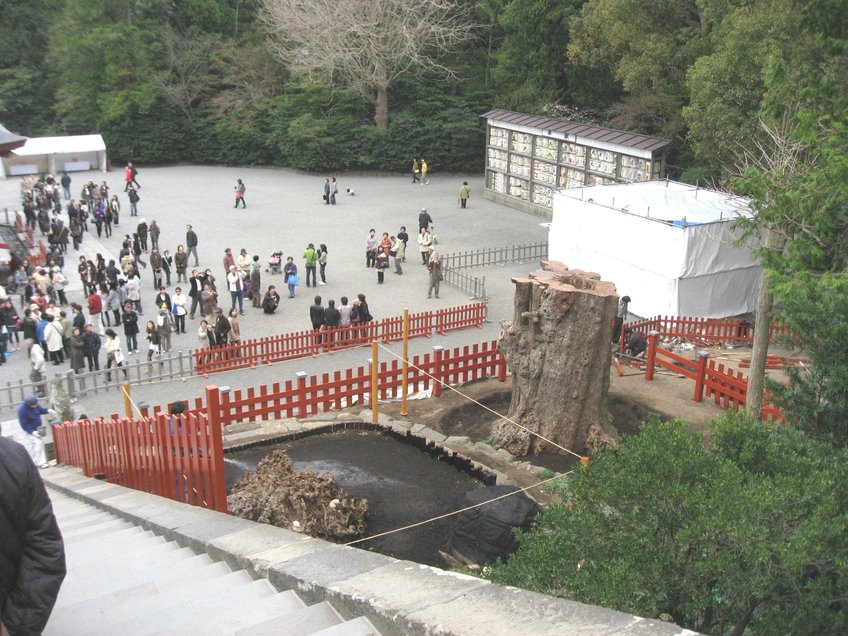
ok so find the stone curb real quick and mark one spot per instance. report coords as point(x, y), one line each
point(398, 597)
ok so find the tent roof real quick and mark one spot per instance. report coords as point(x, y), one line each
point(61, 145)
point(9, 141)
point(668, 201)
point(568, 127)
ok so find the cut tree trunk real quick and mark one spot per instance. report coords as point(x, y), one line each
point(558, 349)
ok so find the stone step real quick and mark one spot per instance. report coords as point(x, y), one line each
point(172, 593)
point(302, 623)
point(98, 585)
point(227, 613)
point(360, 626)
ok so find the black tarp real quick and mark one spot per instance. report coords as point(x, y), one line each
point(484, 533)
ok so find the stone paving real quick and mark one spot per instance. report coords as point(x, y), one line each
point(286, 212)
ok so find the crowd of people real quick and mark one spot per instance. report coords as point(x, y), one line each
point(56, 331)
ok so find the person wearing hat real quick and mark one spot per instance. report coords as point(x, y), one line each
point(424, 219)
point(29, 417)
point(221, 328)
point(620, 317)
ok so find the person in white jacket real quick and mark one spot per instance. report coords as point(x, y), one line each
point(53, 337)
point(114, 355)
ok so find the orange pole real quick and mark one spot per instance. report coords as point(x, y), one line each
point(404, 379)
point(125, 390)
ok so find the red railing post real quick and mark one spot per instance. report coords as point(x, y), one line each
point(215, 450)
point(438, 351)
point(302, 410)
point(653, 342)
point(701, 373)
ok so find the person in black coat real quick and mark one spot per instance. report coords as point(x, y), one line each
point(271, 300)
point(32, 554)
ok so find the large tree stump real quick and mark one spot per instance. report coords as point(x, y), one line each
point(558, 349)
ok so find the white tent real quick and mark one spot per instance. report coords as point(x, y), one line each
point(55, 155)
point(667, 245)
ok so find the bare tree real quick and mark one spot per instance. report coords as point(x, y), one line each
point(365, 44)
point(187, 69)
point(774, 170)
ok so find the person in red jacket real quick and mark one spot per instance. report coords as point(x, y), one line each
point(95, 311)
point(130, 174)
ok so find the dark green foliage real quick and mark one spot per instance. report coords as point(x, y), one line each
point(750, 531)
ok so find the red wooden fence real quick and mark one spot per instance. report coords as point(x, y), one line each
point(727, 387)
point(179, 457)
point(182, 457)
point(299, 344)
point(719, 330)
point(307, 395)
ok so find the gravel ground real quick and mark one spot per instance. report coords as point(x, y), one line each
point(286, 211)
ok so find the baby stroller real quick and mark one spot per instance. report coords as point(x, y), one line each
point(275, 263)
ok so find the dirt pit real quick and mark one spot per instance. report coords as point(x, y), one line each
point(403, 485)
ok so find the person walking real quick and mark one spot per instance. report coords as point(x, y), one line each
point(416, 170)
point(424, 172)
point(130, 174)
point(154, 347)
point(464, 194)
point(311, 258)
point(240, 190)
point(66, 185)
point(29, 418)
point(114, 355)
point(191, 243)
point(32, 552)
point(434, 266)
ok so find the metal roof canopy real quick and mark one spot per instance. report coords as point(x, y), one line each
point(61, 145)
point(567, 127)
point(9, 140)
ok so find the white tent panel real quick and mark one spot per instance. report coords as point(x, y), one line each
point(56, 154)
point(61, 145)
point(642, 238)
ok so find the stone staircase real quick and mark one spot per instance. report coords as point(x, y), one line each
point(125, 580)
